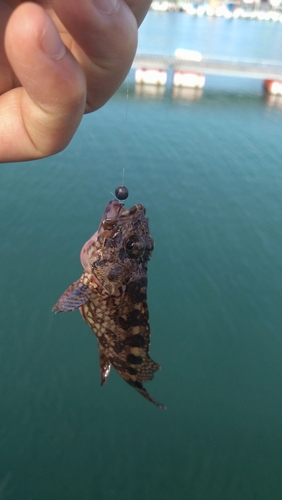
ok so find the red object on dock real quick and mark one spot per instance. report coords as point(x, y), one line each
point(273, 87)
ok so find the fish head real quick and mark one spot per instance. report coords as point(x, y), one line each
point(119, 250)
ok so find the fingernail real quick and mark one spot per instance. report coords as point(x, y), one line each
point(51, 42)
point(105, 6)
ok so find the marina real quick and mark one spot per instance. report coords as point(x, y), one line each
point(246, 9)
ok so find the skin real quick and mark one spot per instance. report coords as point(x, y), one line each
point(60, 59)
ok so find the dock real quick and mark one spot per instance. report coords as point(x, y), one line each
point(244, 68)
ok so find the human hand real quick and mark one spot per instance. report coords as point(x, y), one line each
point(47, 85)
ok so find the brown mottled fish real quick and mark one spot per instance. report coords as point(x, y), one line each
point(111, 294)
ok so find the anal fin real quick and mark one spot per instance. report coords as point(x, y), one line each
point(105, 366)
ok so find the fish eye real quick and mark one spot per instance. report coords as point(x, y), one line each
point(134, 246)
point(129, 245)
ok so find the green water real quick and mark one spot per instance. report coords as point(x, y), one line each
point(209, 173)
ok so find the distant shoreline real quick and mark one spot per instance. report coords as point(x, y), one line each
point(229, 11)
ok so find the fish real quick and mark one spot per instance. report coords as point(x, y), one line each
point(111, 294)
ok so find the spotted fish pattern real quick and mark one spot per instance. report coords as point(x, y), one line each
point(111, 294)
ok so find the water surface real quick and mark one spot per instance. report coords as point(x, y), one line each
point(209, 173)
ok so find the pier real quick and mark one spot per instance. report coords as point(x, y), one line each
point(244, 68)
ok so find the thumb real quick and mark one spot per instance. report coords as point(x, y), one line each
point(39, 118)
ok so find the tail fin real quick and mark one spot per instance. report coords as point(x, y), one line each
point(139, 387)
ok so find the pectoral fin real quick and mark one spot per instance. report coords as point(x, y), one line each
point(75, 296)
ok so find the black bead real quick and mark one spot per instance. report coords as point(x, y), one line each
point(121, 193)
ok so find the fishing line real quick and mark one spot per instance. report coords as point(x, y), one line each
point(125, 133)
point(121, 192)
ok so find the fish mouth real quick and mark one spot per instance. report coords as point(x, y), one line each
point(114, 214)
point(111, 213)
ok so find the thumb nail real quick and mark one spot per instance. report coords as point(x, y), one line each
point(105, 6)
point(51, 42)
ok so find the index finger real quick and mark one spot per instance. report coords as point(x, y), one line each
point(139, 8)
point(102, 35)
